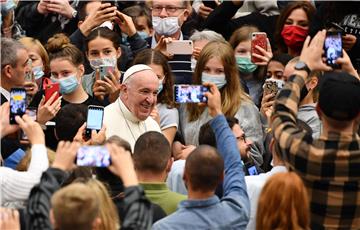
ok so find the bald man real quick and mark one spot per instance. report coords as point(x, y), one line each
point(129, 116)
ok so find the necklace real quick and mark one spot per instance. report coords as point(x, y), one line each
point(127, 123)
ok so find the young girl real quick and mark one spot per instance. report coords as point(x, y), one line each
point(217, 64)
point(103, 50)
point(67, 69)
point(251, 74)
point(169, 116)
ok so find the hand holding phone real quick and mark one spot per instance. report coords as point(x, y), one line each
point(17, 103)
point(190, 93)
point(333, 48)
point(104, 71)
point(176, 47)
point(94, 119)
point(258, 39)
point(94, 156)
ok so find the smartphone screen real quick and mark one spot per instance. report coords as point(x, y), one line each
point(94, 119)
point(184, 47)
point(94, 156)
point(17, 103)
point(32, 114)
point(190, 93)
point(333, 48)
point(252, 170)
point(258, 39)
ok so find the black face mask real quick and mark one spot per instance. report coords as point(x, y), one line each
point(303, 93)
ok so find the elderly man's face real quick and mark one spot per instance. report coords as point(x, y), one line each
point(140, 93)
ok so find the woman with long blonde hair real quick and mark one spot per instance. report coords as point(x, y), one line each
point(217, 64)
point(107, 212)
point(283, 204)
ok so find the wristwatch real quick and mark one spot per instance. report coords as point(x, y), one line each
point(302, 66)
point(74, 14)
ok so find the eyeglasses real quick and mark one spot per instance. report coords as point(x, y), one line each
point(168, 9)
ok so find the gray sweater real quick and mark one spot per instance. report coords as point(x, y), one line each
point(249, 119)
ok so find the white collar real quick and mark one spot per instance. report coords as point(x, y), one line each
point(5, 93)
point(154, 43)
point(128, 115)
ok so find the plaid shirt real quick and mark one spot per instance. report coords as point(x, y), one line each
point(329, 166)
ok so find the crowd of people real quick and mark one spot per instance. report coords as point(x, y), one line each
point(274, 145)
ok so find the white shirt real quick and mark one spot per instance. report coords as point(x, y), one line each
point(16, 185)
point(254, 186)
point(175, 177)
point(121, 122)
point(5, 93)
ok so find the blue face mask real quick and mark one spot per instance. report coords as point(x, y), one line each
point(161, 86)
point(245, 65)
point(218, 80)
point(143, 34)
point(68, 84)
point(38, 72)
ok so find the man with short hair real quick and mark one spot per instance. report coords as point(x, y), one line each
point(167, 18)
point(129, 116)
point(329, 166)
point(14, 66)
point(204, 170)
point(152, 160)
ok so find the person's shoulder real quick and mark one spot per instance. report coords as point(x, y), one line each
point(174, 221)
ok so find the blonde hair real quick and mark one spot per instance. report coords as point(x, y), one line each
point(31, 43)
point(107, 210)
point(232, 93)
point(283, 204)
point(75, 206)
point(24, 163)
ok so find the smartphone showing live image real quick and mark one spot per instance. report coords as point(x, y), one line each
point(333, 48)
point(17, 103)
point(190, 93)
point(93, 156)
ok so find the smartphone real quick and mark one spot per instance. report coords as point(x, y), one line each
point(94, 119)
point(17, 103)
point(211, 4)
point(32, 114)
point(333, 48)
point(104, 71)
point(29, 77)
point(184, 47)
point(93, 156)
point(271, 86)
point(50, 89)
point(190, 93)
point(252, 170)
point(258, 39)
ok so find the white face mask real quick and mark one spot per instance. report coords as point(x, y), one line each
point(218, 80)
point(165, 26)
point(98, 62)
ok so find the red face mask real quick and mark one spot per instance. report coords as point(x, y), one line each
point(294, 36)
